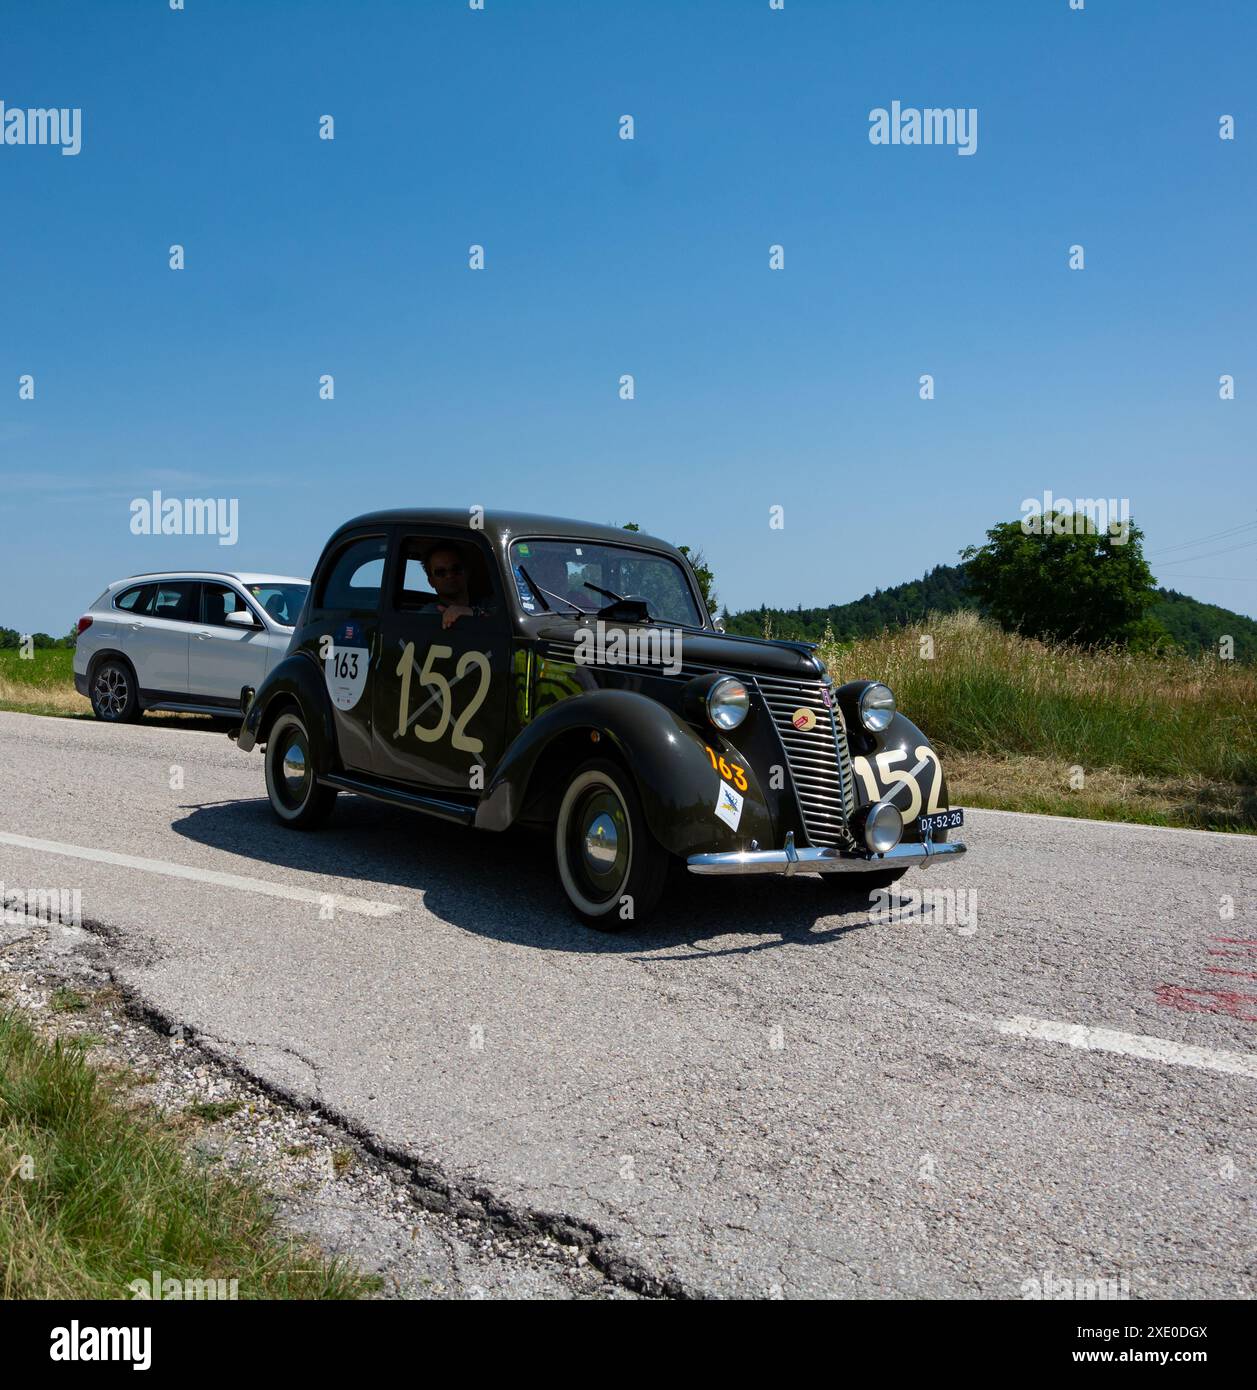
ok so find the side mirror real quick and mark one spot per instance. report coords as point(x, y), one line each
point(242, 618)
point(717, 622)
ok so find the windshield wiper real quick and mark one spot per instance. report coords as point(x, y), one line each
point(540, 592)
point(606, 593)
point(626, 609)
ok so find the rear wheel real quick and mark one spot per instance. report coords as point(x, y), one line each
point(114, 692)
point(296, 797)
point(611, 866)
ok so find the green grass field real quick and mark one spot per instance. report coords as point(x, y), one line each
point(42, 685)
point(97, 1193)
point(48, 666)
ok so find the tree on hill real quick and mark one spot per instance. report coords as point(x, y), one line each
point(1067, 581)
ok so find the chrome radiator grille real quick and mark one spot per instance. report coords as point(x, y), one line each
point(819, 759)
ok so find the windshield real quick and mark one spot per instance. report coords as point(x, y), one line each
point(281, 601)
point(562, 569)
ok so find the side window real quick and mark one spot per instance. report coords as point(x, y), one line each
point(175, 601)
point(435, 571)
point(137, 600)
point(217, 600)
point(415, 589)
point(356, 575)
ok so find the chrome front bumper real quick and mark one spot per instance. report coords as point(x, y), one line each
point(818, 861)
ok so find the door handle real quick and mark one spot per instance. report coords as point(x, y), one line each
point(201, 636)
point(136, 627)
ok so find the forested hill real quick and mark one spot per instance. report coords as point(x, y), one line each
point(1193, 625)
point(942, 590)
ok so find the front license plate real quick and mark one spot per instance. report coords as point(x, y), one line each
point(942, 820)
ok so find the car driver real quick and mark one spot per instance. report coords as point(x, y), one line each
point(448, 576)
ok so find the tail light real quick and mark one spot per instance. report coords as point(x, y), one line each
point(84, 623)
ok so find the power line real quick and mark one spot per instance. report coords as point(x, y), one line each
point(1209, 554)
point(1217, 536)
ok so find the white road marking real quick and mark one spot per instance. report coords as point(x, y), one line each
point(1147, 1049)
point(366, 907)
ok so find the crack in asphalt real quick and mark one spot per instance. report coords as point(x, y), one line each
point(434, 1188)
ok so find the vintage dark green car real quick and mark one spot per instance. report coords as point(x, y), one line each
point(494, 669)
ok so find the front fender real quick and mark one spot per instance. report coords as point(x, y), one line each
point(900, 765)
point(295, 678)
point(674, 776)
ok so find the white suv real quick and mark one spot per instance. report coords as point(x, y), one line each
point(189, 640)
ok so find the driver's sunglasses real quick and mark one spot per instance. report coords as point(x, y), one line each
point(447, 573)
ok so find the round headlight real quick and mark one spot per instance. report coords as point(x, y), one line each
point(877, 707)
point(883, 827)
point(728, 703)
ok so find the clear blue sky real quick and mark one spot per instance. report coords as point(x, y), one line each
point(604, 257)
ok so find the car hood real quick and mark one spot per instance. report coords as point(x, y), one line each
point(716, 650)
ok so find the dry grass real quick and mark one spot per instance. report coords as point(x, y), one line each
point(1022, 783)
point(33, 699)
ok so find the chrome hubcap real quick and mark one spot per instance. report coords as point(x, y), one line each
point(601, 844)
point(294, 770)
point(598, 844)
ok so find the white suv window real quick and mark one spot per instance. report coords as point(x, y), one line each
point(133, 600)
point(218, 600)
point(175, 601)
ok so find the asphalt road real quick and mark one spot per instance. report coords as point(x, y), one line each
point(762, 1093)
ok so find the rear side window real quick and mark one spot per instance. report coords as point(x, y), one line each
point(355, 576)
point(136, 600)
point(175, 601)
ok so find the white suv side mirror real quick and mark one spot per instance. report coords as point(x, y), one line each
point(242, 618)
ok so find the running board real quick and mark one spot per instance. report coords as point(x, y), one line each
point(396, 796)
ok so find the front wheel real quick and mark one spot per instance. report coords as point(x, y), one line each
point(611, 867)
point(296, 797)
